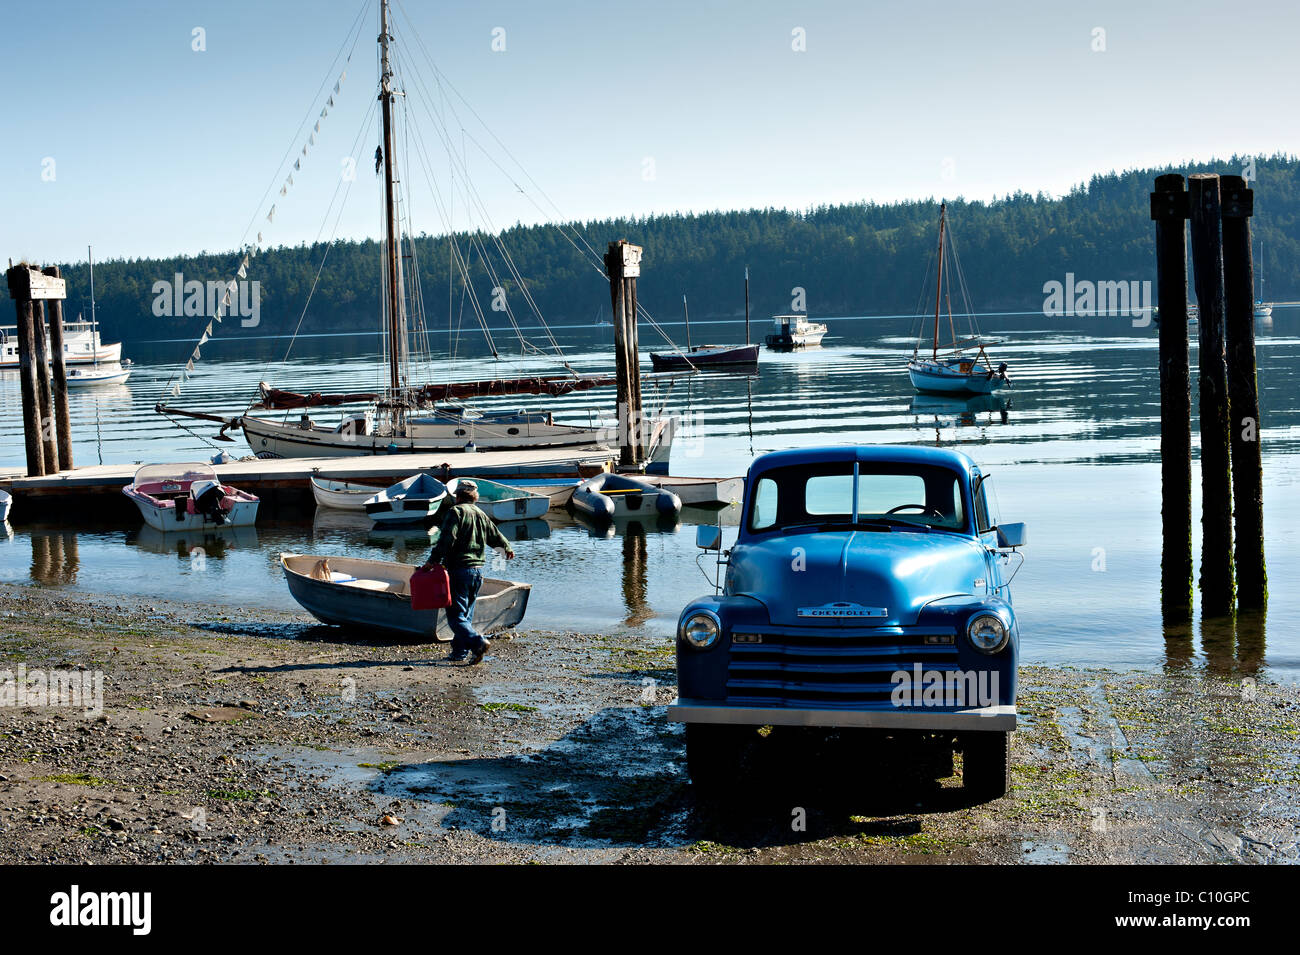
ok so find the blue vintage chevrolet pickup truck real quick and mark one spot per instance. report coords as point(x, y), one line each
point(867, 589)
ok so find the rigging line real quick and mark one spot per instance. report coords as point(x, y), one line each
point(472, 195)
point(346, 192)
point(293, 141)
point(419, 43)
point(442, 79)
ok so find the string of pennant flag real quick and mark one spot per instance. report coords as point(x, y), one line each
point(251, 249)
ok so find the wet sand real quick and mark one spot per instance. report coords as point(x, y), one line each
point(261, 737)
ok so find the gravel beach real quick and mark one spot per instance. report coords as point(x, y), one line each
point(265, 738)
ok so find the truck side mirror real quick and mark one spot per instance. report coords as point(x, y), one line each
point(1012, 535)
point(708, 537)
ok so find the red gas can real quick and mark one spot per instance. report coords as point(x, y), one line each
point(431, 589)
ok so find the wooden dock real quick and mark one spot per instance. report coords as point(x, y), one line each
point(286, 480)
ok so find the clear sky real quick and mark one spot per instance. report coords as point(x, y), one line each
point(116, 132)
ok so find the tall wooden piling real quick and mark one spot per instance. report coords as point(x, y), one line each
point(1243, 393)
point(59, 377)
point(1169, 210)
point(623, 266)
point(45, 406)
point(1216, 482)
point(29, 288)
point(27, 386)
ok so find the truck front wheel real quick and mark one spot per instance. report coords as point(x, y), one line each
point(986, 765)
point(713, 755)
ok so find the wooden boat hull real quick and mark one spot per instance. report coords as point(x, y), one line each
point(700, 491)
point(377, 598)
point(342, 495)
point(504, 502)
point(273, 439)
point(416, 500)
point(558, 490)
point(940, 379)
point(705, 357)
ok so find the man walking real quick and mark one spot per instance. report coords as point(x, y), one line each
point(466, 535)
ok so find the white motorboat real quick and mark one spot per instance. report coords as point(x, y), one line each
point(186, 497)
point(960, 367)
point(375, 596)
point(83, 376)
point(502, 502)
point(794, 331)
point(415, 500)
point(341, 495)
point(6, 505)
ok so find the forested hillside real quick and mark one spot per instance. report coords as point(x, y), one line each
point(856, 259)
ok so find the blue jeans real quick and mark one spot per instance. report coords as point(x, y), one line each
point(465, 584)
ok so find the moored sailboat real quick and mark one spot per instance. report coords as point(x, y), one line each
point(959, 366)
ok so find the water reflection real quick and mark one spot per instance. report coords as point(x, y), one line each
point(1233, 647)
point(213, 542)
point(940, 412)
point(55, 559)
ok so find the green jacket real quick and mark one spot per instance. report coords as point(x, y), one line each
point(466, 535)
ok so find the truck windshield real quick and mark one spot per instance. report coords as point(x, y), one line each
point(887, 494)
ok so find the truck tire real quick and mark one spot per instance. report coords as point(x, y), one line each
point(713, 756)
point(986, 765)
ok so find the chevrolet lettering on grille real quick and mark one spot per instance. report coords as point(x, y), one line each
point(843, 610)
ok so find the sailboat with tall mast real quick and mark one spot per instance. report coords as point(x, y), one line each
point(406, 417)
point(959, 366)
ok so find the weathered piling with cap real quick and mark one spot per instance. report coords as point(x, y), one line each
point(45, 407)
point(1204, 213)
point(1243, 393)
point(59, 377)
point(1169, 210)
point(623, 266)
point(29, 287)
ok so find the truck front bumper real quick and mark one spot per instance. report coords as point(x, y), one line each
point(985, 718)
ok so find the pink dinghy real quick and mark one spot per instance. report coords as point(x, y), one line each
point(185, 497)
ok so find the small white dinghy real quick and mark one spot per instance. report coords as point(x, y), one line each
point(341, 495)
point(375, 596)
point(82, 377)
point(413, 501)
point(187, 497)
point(501, 502)
point(6, 505)
point(609, 495)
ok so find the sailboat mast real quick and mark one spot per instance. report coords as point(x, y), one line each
point(94, 325)
point(392, 236)
point(938, 285)
point(687, 310)
point(747, 305)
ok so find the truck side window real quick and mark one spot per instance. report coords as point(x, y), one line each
point(764, 515)
point(982, 510)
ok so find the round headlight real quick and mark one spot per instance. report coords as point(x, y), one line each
point(701, 630)
point(987, 633)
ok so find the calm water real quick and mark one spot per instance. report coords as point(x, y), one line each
point(1075, 455)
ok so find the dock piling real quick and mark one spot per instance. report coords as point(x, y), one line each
point(623, 266)
point(41, 364)
point(1243, 393)
point(59, 378)
point(1169, 210)
point(1216, 484)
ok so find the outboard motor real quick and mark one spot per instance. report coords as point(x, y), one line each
point(207, 497)
point(1002, 372)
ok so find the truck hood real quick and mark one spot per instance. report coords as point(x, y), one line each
point(855, 578)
